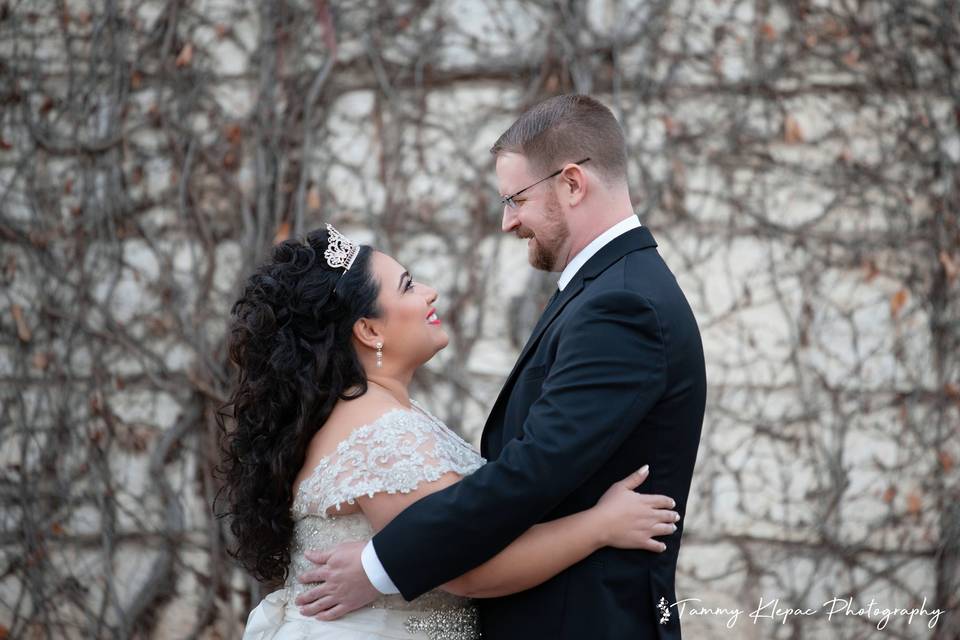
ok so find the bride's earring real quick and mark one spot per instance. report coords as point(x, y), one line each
point(379, 355)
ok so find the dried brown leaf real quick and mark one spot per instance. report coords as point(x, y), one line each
point(233, 133)
point(283, 232)
point(897, 302)
point(23, 331)
point(946, 460)
point(313, 198)
point(950, 267)
point(889, 494)
point(41, 360)
point(672, 126)
point(185, 57)
point(914, 503)
point(792, 133)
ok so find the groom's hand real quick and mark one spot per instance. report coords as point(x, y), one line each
point(343, 587)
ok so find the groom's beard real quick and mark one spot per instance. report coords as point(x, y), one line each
point(547, 244)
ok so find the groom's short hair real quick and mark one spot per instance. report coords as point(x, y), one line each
point(568, 128)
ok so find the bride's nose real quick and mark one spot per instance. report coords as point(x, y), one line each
point(432, 295)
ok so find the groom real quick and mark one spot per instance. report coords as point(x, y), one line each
point(612, 378)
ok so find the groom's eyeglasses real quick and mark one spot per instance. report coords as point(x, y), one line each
point(513, 204)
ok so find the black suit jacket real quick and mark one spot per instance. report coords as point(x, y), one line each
point(612, 378)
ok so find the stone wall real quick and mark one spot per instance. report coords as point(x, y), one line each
point(796, 161)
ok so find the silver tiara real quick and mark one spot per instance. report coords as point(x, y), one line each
point(341, 251)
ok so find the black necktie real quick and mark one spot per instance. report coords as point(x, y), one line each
point(552, 299)
point(546, 312)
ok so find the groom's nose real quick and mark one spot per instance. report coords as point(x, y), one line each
point(510, 220)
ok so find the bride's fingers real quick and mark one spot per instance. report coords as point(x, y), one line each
point(657, 501)
point(666, 515)
point(636, 478)
point(663, 528)
point(653, 545)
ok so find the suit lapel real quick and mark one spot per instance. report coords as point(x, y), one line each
point(552, 311)
point(633, 240)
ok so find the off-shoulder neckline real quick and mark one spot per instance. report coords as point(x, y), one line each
point(417, 410)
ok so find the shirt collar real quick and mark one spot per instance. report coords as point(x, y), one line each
point(591, 249)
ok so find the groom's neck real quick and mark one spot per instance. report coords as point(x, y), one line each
point(602, 212)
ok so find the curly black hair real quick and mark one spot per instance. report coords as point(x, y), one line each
point(290, 338)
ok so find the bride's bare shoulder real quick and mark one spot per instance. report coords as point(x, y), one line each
point(346, 417)
point(349, 415)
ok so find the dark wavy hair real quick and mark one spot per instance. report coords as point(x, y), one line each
point(290, 338)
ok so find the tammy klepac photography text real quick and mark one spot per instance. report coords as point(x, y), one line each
point(777, 611)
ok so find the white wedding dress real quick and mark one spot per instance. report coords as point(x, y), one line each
point(395, 453)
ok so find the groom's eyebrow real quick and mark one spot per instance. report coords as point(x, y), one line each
point(405, 274)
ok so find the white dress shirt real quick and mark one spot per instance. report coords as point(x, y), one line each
point(602, 240)
point(371, 562)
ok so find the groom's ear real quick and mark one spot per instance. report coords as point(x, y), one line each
point(574, 184)
point(367, 333)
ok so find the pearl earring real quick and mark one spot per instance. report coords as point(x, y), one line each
point(379, 355)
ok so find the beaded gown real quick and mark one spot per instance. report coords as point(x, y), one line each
point(395, 453)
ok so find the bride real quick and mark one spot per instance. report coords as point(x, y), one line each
point(328, 446)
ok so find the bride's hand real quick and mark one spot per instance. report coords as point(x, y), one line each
point(630, 520)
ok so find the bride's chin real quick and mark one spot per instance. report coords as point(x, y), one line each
point(442, 341)
point(439, 345)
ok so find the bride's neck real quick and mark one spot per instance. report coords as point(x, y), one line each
point(397, 388)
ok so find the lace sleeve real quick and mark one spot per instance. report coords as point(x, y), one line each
point(395, 453)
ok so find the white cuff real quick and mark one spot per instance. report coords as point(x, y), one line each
point(376, 574)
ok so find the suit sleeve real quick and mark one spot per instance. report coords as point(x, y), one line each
point(609, 371)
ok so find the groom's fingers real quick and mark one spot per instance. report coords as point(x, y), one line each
point(318, 557)
point(318, 605)
point(314, 594)
point(319, 574)
point(333, 614)
point(307, 597)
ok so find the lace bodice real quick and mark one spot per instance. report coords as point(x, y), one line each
point(395, 453)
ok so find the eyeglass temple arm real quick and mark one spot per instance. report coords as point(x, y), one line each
point(506, 199)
